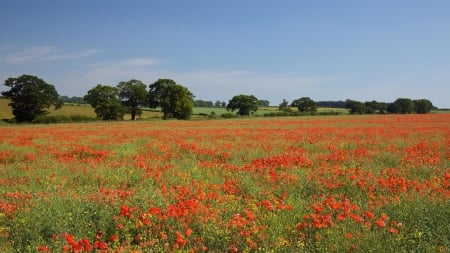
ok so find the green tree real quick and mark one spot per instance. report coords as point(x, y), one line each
point(305, 104)
point(422, 106)
point(284, 106)
point(133, 95)
point(356, 107)
point(264, 102)
point(174, 99)
point(106, 102)
point(245, 104)
point(30, 97)
point(401, 105)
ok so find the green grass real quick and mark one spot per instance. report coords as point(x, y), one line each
point(87, 111)
point(70, 110)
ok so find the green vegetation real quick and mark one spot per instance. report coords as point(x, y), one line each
point(372, 183)
point(106, 102)
point(244, 104)
point(175, 100)
point(30, 97)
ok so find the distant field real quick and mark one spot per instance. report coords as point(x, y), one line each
point(86, 110)
point(70, 109)
point(5, 110)
point(261, 110)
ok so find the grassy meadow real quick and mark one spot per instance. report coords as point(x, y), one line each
point(371, 183)
point(199, 112)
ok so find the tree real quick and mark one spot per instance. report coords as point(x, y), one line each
point(284, 106)
point(106, 102)
point(305, 104)
point(133, 94)
point(175, 100)
point(356, 107)
point(203, 103)
point(373, 106)
point(401, 105)
point(264, 102)
point(422, 106)
point(30, 97)
point(73, 100)
point(245, 104)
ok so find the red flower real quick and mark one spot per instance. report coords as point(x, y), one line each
point(43, 249)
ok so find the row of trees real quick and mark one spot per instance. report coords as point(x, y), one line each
point(31, 97)
point(218, 103)
point(400, 105)
point(304, 104)
point(111, 103)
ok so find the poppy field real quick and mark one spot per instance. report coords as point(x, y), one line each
point(378, 183)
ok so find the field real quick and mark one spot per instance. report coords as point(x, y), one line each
point(377, 183)
point(69, 110)
point(199, 112)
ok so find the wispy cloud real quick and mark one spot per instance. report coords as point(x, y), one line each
point(122, 70)
point(44, 53)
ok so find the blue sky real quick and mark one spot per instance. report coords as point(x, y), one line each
point(327, 50)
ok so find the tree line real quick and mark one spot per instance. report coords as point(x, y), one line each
point(31, 97)
point(400, 105)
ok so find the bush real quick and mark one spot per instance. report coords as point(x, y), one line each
point(228, 115)
point(57, 119)
point(45, 119)
point(81, 118)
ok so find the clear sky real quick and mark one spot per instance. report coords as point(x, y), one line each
point(281, 49)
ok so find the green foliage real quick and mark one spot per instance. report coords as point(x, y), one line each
point(355, 107)
point(264, 102)
point(305, 104)
point(175, 100)
point(422, 106)
point(371, 107)
point(106, 103)
point(401, 105)
point(56, 119)
point(296, 114)
point(73, 100)
point(245, 104)
point(30, 97)
point(228, 115)
point(203, 103)
point(284, 106)
point(133, 94)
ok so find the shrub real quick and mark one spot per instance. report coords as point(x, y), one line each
point(228, 115)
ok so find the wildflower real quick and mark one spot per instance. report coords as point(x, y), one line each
point(188, 232)
point(100, 245)
point(113, 238)
point(180, 241)
point(380, 223)
point(42, 248)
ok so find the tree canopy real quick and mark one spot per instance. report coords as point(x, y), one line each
point(422, 106)
point(30, 97)
point(245, 104)
point(305, 104)
point(401, 105)
point(284, 106)
point(133, 94)
point(106, 102)
point(174, 99)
